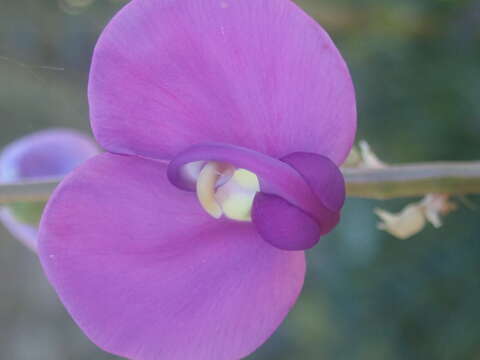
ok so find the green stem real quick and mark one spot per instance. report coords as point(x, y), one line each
point(412, 180)
point(399, 181)
point(28, 191)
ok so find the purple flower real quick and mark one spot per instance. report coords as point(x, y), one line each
point(225, 122)
point(40, 155)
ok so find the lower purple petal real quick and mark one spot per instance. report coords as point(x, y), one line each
point(148, 275)
point(283, 225)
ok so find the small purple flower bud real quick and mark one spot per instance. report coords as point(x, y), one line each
point(50, 153)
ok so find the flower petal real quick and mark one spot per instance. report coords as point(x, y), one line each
point(283, 225)
point(147, 274)
point(322, 175)
point(260, 74)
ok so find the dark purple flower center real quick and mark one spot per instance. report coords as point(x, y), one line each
point(299, 196)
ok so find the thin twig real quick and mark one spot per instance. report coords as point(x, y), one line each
point(399, 181)
point(411, 180)
point(30, 67)
point(28, 191)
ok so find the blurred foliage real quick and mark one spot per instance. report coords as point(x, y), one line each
point(28, 213)
point(415, 64)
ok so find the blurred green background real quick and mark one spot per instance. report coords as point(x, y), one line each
point(368, 296)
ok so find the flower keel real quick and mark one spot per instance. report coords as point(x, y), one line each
point(292, 201)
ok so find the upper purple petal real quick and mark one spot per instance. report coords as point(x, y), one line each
point(322, 175)
point(256, 73)
point(148, 275)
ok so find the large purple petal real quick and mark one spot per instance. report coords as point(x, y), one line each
point(147, 274)
point(256, 73)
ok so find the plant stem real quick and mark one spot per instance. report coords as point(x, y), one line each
point(28, 191)
point(412, 180)
point(398, 181)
